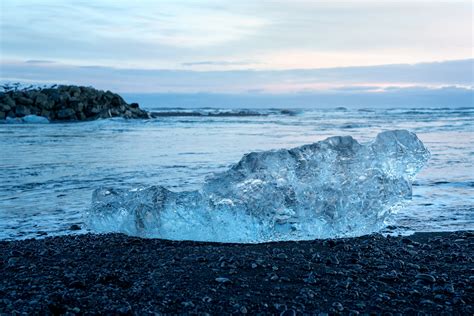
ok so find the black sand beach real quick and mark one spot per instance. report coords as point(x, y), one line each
point(115, 274)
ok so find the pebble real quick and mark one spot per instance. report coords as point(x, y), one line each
point(222, 280)
point(426, 277)
point(288, 312)
point(338, 306)
point(282, 256)
point(311, 278)
point(13, 261)
point(75, 227)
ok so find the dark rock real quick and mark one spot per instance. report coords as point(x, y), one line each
point(77, 284)
point(281, 256)
point(8, 101)
point(311, 278)
point(288, 312)
point(96, 109)
point(22, 110)
point(66, 114)
point(13, 261)
point(338, 306)
point(35, 110)
point(5, 107)
point(24, 101)
point(81, 116)
point(75, 227)
point(105, 114)
point(332, 260)
point(222, 280)
point(426, 277)
point(42, 101)
point(68, 103)
point(46, 113)
point(74, 91)
point(76, 105)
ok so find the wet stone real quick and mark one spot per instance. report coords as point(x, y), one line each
point(426, 277)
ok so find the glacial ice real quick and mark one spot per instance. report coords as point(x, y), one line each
point(332, 188)
point(30, 119)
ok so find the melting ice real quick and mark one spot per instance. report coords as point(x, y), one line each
point(332, 188)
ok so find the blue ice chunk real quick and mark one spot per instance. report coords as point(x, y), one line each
point(332, 188)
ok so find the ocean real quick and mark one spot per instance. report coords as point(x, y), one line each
point(49, 171)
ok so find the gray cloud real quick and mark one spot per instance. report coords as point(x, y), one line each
point(218, 63)
point(39, 61)
point(449, 73)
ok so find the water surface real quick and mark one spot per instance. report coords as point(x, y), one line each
point(48, 171)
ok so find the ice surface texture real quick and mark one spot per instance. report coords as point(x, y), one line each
point(332, 188)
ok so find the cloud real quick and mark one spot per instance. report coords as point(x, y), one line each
point(272, 34)
point(372, 78)
point(38, 61)
point(218, 63)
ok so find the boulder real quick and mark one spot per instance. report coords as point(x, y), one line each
point(21, 110)
point(81, 116)
point(77, 105)
point(41, 100)
point(34, 110)
point(5, 107)
point(46, 114)
point(105, 114)
point(8, 101)
point(128, 114)
point(96, 108)
point(74, 91)
point(66, 114)
point(24, 101)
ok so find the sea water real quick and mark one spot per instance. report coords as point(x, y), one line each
point(49, 171)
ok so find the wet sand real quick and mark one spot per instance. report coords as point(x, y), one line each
point(116, 274)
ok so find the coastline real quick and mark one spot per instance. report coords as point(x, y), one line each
point(117, 274)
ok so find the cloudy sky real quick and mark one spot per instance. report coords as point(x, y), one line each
point(278, 46)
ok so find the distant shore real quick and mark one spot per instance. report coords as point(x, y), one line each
point(116, 274)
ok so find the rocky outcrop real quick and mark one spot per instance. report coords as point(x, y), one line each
point(66, 103)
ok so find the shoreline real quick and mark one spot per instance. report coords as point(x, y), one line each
point(117, 274)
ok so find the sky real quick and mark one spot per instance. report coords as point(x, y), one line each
point(269, 47)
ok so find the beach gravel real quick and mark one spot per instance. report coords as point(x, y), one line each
point(432, 273)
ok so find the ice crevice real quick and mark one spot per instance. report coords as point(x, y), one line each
point(337, 187)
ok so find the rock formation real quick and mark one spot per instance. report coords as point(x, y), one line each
point(66, 103)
